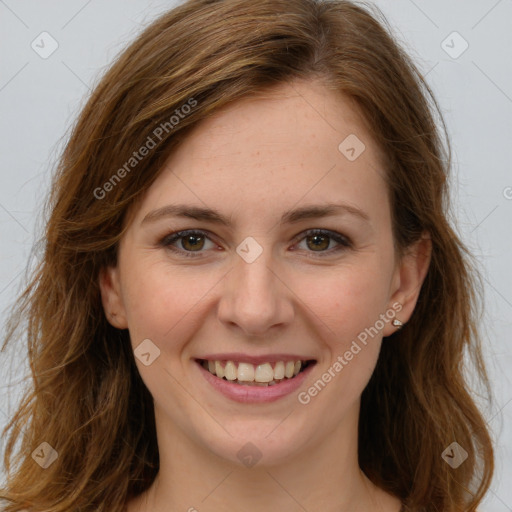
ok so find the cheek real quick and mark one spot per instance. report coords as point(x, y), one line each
point(160, 302)
point(349, 306)
point(347, 299)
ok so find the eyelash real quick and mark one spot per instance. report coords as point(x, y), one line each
point(343, 241)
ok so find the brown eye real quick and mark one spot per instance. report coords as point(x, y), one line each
point(324, 242)
point(192, 242)
point(320, 242)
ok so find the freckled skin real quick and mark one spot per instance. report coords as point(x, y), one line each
point(252, 162)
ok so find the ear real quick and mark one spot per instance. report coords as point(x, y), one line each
point(408, 278)
point(111, 297)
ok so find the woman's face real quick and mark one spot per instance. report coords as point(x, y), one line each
point(291, 258)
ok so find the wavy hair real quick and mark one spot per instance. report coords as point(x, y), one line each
point(86, 398)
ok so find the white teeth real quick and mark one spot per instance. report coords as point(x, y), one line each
point(289, 369)
point(219, 370)
point(249, 374)
point(279, 370)
point(230, 371)
point(264, 373)
point(246, 372)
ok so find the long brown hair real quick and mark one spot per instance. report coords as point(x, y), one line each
point(87, 400)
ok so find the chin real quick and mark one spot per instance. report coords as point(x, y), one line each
point(260, 443)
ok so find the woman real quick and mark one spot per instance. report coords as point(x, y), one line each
point(251, 297)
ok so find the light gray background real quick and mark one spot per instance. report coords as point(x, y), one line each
point(39, 99)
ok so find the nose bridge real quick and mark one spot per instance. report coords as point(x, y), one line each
point(253, 297)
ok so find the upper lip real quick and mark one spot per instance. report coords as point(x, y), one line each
point(246, 358)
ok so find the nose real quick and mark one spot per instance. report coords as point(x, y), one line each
point(255, 298)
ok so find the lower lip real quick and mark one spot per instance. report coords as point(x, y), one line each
point(255, 394)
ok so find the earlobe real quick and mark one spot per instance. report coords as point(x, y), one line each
point(410, 275)
point(111, 297)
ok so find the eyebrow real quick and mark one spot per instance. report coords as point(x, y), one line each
point(289, 217)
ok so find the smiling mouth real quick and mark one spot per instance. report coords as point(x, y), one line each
point(247, 374)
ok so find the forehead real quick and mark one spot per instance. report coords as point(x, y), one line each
point(296, 142)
